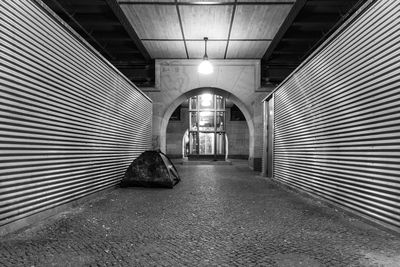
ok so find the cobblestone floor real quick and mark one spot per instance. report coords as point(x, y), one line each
point(216, 216)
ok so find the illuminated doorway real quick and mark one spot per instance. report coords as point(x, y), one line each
point(207, 127)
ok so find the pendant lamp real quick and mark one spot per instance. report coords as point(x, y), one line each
point(205, 66)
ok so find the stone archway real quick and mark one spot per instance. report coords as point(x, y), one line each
point(239, 80)
point(198, 91)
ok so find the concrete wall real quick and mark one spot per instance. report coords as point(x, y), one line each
point(238, 138)
point(176, 80)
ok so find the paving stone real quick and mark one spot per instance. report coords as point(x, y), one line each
point(216, 216)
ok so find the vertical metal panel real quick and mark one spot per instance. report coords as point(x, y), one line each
point(337, 118)
point(271, 136)
point(70, 123)
point(265, 139)
point(268, 137)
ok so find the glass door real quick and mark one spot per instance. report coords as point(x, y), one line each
point(206, 143)
point(207, 127)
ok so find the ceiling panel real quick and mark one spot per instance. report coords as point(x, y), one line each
point(258, 21)
point(165, 49)
point(247, 49)
point(154, 21)
point(206, 21)
point(215, 49)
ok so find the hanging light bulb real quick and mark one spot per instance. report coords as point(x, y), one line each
point(205, 66)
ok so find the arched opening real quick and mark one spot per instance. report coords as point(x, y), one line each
point(237, 120)
point(200, 122)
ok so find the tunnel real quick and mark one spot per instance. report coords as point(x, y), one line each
point(281, 117)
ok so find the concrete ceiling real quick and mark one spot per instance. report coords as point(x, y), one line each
point(236, 29)
point(132, 33)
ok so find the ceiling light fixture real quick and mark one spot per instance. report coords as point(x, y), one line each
point(205, 66)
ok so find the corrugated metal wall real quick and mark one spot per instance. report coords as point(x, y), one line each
point(337, 118)
point(70, 123)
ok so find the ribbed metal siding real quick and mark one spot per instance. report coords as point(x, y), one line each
point(337, 118)
point(70, 123)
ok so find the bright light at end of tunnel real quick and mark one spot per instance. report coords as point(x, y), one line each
point(206, 67)
point(206, 100)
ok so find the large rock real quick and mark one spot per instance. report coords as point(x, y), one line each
point(151, 169)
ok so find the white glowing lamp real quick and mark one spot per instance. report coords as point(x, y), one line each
point(205, 66)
